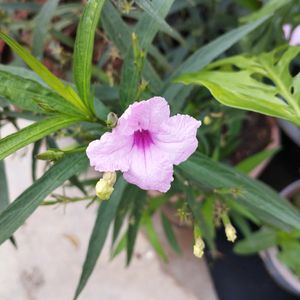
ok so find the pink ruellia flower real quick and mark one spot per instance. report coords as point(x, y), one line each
point(292, 35)
point(145, 144)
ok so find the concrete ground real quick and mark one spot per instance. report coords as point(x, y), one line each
point(52, 246)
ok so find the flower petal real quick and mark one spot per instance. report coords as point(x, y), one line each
point(295, 37)
point(149, 171)
point(110, 153)
point(177, 138)
point(147, 115)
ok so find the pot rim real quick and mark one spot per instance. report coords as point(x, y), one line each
point(279, 271)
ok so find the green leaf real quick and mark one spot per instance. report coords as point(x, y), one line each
point(4, 197)
point(269, 8)
point(170, 233)
point(83, 50)
point(152, 11)
point(18, 211)
point(139, 199)
point(261, 200)
point(105, 215)
point(145, 30)
point(153, 238)
point(240, 82)
point(42, 22)
point(120, 34)
point(201, 58)
point(32, 133)
point(258, 241)
point(250, 163)
point(30, 95)
point(52, 81)
point(123, 210)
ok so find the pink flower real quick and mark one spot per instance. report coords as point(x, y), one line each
point(145, 145)
point(293, 36)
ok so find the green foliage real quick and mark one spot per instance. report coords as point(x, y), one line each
point(32, 133)
point(261, 83)
point(31, 95)
point(57, 85)
point(83, 50)
point(250, 163)
point(42, 21)
point(106, 214)
point(258, 241)
point(17, 212)
point(211, 175)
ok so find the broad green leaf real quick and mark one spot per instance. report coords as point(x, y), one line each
point(268, 9)
point(153, 237)
point(250, 163)
point(240, 82)
point(201, 58)
point(17, 212)
point(83, 50)
point(139, 199)
point(30, 95)
point(42, 22)
point(261, 200)
point(32, 133)
point(258, 241)
point(167, 226)
point(52, 81)
point(105, 215)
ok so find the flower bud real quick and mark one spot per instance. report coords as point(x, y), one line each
point(111, 177)
point(112, 120)
point(199, 247)
point(207, 120)
point(230, 232)
point(104, 189)
point(51, 154)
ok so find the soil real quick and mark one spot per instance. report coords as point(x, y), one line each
point(255, 136)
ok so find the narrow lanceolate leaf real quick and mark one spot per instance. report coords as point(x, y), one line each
point(250, 163)
point(4, 197)
point(105, 216)
point(42, 22)
point(202, 57)
point(30, 95)
point(240, 82)
point(258, 241)
point(153, 237)
point(52, 81)
point(261, 200)
point(32, 133)
point(84, 46)
point(145, 30)
point(140, 198)
point(17, 212)
point(167, 226)
point(151, 10)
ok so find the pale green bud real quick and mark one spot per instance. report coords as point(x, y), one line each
point(112, 120)
point(230, 232)
point(51, 154)
point(199, 247)
point(104, 189)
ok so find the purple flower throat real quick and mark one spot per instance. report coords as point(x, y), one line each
point(142, 139)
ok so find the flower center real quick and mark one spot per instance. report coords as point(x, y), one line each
point(142, 139)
